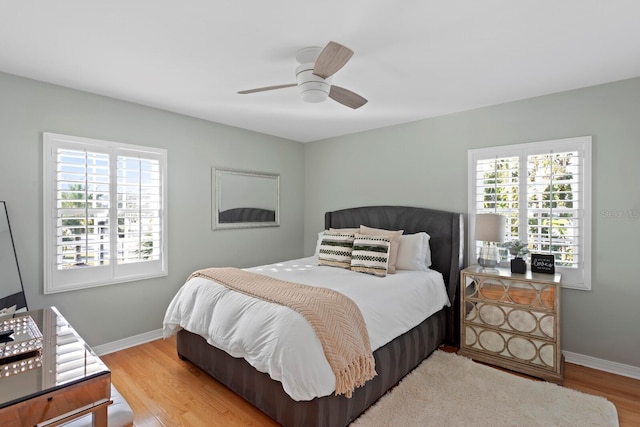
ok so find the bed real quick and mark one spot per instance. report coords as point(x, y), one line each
point(393, 360)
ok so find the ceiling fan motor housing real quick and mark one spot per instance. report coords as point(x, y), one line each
point(311, 87)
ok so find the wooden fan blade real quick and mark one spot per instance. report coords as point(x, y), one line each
point(346, 97)
point(331, 59)
point(262, 89)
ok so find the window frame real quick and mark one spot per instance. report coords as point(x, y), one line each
point(574, 278)
point(61, 280)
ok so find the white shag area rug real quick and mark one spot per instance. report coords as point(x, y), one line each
point(451, 390)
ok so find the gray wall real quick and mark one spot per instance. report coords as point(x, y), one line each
point(424, 163)
point(109, 313)
point(419, 164)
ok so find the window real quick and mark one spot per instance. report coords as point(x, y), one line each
point(104, 212)
point(544, 190)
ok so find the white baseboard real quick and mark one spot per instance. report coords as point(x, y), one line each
point(602, 365)
point(114, 346)
point(576, 358)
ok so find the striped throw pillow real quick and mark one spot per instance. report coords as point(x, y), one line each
point(371, 254)
point(335, 249)
point(395, 242)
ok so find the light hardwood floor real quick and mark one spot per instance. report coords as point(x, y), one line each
point(163, 390)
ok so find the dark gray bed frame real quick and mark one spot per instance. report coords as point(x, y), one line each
point(394, 360)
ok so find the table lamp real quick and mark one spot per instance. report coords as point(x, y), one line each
point(489, 229)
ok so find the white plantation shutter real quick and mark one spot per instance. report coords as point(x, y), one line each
point(497, 186)
point(82, 201)
point(104, 212)
point(554, 211)
point(139, 209)
point(544, 190)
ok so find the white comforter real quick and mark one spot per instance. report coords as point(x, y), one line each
point(277, 340)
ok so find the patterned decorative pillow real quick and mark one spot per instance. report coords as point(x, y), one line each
point(371, 254)
point(394, 235)
point(335, 249)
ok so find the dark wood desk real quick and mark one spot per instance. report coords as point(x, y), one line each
point(66, 381)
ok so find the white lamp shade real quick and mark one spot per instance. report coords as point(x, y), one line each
point(490, 227)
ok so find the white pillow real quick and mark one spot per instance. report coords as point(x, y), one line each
point(318, 243)
point(414, 252)
point(427, 257)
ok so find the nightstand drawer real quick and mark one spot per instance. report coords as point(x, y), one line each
point(519, 348)
point(514, 319)
point(516, 291)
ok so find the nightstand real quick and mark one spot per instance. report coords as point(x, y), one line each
point(512, 321)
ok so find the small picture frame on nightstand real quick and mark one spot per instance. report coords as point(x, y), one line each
point(542, 263)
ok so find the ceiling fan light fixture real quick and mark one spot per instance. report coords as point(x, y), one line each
point(314, 95)
point(311, 87)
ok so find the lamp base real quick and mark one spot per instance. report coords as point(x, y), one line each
point(487, 263)
point(489, 256)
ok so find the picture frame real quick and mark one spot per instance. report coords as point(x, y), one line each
point(543, 263)
point(244, 199)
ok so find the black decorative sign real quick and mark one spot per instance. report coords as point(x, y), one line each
point(542, 264)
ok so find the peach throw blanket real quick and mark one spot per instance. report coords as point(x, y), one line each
point(335, 318)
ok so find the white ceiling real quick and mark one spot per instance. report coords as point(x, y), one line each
point(413, 59)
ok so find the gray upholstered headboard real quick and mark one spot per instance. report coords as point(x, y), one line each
point(445, 228)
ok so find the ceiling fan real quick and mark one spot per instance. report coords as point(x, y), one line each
point(317, 66)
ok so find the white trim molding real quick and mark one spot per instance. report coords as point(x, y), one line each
point(501, 170)
point(105, 212)
point(112, 347)
point(602, 365)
